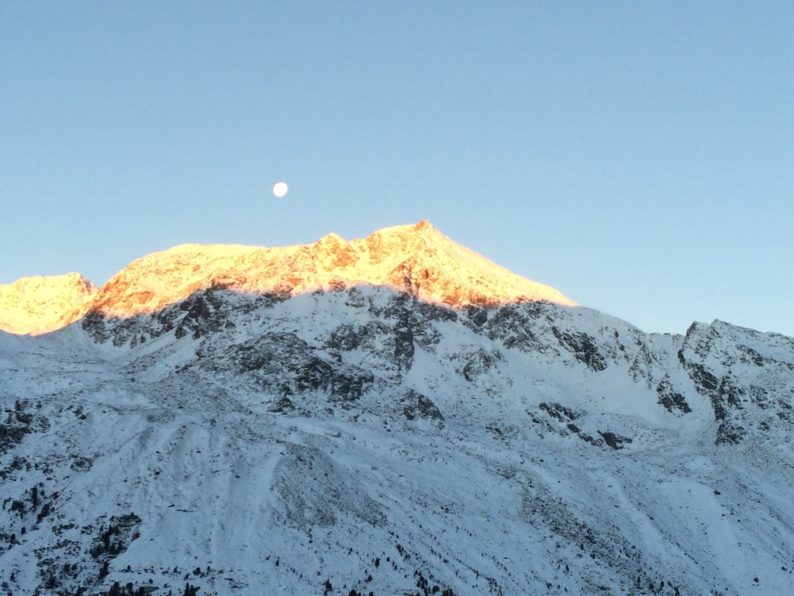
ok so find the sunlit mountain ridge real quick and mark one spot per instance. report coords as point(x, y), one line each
point(417, 259)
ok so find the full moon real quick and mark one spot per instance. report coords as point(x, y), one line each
point(280, 189)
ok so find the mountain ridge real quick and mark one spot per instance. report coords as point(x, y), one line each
point(417, 259)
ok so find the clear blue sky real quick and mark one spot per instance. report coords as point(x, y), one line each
point(639, 156)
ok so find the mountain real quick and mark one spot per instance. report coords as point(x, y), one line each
point(389, 415)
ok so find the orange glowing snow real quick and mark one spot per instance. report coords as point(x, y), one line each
point(38, 305)
point(417, 259)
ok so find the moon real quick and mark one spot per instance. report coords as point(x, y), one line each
point(280, 189)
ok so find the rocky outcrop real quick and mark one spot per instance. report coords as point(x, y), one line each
point(747, 376)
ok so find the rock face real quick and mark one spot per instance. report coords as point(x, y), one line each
point(416, 434)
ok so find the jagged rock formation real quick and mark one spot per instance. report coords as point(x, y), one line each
point(416, 436)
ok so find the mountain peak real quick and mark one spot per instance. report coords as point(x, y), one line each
point(41, 304)
point(417, 259)
point(422, 227)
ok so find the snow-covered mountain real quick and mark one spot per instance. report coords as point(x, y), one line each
point(389, 415)
point(42, 304)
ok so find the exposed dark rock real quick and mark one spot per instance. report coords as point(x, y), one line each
point(729, 433)
point(583, 347)
point(404, 342)
point(671, 399)
point(415, 405)
point(19, 422)
point(283, 405)
point(614, 440)
point(115, 537)
point(559, 412)
point(203, 313)
point(512, 325)
point(478, 364)
point(478, 316)
point(282, 362)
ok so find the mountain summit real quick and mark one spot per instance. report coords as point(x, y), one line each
point(417, 259)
